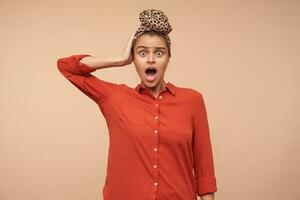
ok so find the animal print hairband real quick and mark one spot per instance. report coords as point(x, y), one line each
point(153, 19)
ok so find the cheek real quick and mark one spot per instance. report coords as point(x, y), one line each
point(138, 68)
point(139, 63)
point(163, 69)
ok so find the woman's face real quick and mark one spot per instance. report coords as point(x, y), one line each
point(150, 51)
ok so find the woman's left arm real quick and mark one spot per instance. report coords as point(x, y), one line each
point(205, 178)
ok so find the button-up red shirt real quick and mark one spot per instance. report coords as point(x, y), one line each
point(159, 148)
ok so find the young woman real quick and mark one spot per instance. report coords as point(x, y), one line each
point(160, 145)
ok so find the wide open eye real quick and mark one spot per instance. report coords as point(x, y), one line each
point(159, 53)
point(142, 53)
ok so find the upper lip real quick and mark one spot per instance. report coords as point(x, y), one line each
point(151, 67)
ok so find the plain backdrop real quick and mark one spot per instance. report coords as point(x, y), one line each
point(242, 55)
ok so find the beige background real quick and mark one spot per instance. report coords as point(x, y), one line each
point(242, 55)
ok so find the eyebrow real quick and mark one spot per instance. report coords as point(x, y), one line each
point(155, 47)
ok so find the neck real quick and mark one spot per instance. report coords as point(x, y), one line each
point(157, 89)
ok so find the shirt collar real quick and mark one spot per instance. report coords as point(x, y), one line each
point(171, 87)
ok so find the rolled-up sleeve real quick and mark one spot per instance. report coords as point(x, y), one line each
point(79, 74)
point(202, 150)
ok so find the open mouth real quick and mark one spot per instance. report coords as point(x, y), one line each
point(151, 73)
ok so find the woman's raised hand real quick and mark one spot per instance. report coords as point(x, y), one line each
point(126, 56)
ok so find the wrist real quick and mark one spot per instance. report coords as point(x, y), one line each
point(118, 61)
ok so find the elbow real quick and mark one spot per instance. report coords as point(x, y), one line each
point(60, 63)
point(71, 66)
point(63, 66)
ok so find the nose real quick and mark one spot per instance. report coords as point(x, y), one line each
point(151, 58)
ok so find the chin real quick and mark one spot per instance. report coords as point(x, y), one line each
point(151, 84)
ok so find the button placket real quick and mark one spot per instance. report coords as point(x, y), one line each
point(155, 149)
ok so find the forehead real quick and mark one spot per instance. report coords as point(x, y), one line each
point(150, 41)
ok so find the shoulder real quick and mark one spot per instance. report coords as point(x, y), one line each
point(193, 94)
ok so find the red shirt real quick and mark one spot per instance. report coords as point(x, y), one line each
point(159, 148)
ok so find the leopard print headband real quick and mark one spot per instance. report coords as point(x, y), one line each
point(153, 19)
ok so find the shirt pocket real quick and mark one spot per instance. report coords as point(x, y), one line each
point(180, 126)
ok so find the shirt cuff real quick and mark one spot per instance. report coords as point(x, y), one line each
point(206, 185)
point(83, 67)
